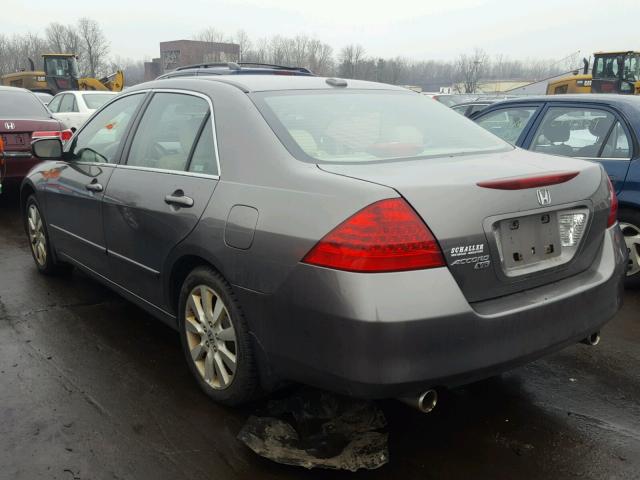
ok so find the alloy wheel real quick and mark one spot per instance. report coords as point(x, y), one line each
point(632, 239)
point(211, 337)
point(37, 237)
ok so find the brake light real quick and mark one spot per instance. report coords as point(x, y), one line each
point(520, 183)
point(63, 135)
point(386, 236)
point(613, 202)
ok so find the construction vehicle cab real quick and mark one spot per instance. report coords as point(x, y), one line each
point(61, 72)
point(613, 72)
point(616, 72)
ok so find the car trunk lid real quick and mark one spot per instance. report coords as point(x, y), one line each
point(16, 133)
point(483, 231)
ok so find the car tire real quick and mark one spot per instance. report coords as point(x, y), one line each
point(39, 243)
point(629, 221)
point(215, 339)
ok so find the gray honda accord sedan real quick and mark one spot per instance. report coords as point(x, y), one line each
point(354, 236)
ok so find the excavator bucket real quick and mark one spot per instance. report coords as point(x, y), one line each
point(113, 82)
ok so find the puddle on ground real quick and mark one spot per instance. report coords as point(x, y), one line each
point(315, 429)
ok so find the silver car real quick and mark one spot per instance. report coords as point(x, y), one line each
point(354, 236)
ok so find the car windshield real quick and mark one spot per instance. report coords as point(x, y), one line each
point(96, 100)
point(367, 126)
point(21, 104)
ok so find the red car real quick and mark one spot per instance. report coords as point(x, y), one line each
point(23, 118)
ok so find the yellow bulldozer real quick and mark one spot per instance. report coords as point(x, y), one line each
point(61, 73)
point(613, 72)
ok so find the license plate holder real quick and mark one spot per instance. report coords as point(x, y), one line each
point(528, 240)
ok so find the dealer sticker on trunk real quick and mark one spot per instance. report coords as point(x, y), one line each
point(470, 255)
point(465, 250)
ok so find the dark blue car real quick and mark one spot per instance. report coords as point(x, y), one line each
point(602, 128)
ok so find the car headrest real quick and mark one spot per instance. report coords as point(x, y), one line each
point(557, 132)
point(599, 127)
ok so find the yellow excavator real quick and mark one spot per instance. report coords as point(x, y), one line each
point(613, 72)
point(61, 73)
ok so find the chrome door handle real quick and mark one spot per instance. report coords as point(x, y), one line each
point(179, 200)
point(93, 187)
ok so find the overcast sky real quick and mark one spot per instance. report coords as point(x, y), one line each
point(417, 29)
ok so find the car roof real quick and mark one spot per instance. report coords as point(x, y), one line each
point(88, 92)
point(233, 68)
point(5, 88)
point(263, 83)
point(603, 98)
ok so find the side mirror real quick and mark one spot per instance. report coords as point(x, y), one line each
point(47, 148)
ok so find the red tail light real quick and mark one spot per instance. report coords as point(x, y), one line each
point(63, 135)
point(519, 183)
point(613, 201)
point(386, 236)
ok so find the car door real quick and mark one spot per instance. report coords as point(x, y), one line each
point(157, 196)
point(74, 189)
point(590, 132)
point(511, 122)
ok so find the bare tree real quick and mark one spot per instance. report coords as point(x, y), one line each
point(350, 57)
point(469, 69)
point(244, 42)
point(95, 47)
point(210, 35)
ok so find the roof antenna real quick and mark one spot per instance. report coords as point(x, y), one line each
point(234, 66)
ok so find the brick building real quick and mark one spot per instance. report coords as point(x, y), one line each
point(179, 53)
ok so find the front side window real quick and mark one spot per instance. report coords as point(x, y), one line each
point(100, 138)
point(573, 132)
point(508, 123)
point(368, 126)
point(168, 131)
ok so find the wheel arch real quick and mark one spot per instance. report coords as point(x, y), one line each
point(178, 269)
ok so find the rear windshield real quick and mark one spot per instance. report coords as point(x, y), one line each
point(21, 104)
point(96, 100)
point(368, 126)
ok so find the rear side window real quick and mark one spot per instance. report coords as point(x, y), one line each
point(204, 158)
point(95, 100)
point(507, 123)
point(68, 104)
point(618, 145)
point(21, 104)
point(54, 105)
point(368, 126)
point(167, 132)
point(573, 132)
point(99, 140)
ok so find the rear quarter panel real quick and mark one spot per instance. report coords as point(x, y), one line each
point(297, 203)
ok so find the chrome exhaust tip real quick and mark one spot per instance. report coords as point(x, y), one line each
point(425, 402)
point(593, 339)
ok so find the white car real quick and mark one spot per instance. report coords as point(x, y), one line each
point(73, 108)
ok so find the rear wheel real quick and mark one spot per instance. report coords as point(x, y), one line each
point(629, 221)
point(39, 239)
point(215, 339)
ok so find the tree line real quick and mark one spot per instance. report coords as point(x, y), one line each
point(87, 39)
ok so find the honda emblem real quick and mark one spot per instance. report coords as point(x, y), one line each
point(9, 125)
point(544, 197)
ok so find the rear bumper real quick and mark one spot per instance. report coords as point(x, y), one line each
point(386, 335)
point(17, 165)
